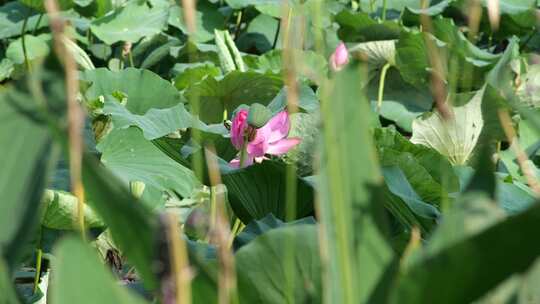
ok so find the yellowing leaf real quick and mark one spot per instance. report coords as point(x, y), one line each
point(456, 137)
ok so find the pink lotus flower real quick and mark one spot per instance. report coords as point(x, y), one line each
point(339, 59)
point(270, 139)
point(238, 128)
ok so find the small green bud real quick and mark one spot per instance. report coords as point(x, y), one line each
point(258, 115)
point(137, 188)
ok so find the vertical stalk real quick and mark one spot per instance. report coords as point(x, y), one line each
point(243, 155)
point(323, 232)
point(189, 13)
point(222, 237)
point(130, 56)
point(338, 213)
point(292, 40)
point(238, 24)
point(438, 87)
point(383, 16)
point(234, 231)
point(179, 261)
point(276, 36)
point(38, 269)
point(475, 15)
point(23, 41)
point(381, 86)
point(37, 24)
point(75, 113)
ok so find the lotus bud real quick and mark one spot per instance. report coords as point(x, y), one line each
point(136, 188)
point(339, 59)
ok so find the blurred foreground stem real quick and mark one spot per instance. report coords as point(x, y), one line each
point(179, 261)
point(221, 235)
point(75, 114)
point(524, 163)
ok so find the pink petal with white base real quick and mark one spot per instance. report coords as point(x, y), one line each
point(282, 146)
point(279, 126)
point(235, 163)
point(258, 146)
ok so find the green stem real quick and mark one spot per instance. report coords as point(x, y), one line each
point(130, 56)
point(238, 23)
point(277, 34)
point(37, 24)
point(225, 114)
point(383, 16)
point(243, 153)
point(236, 226)
point(38, 270)
point(381, 86)
point(88, 34)
point(498, 152)
point(290, 193)
point(197, 162)
point(290, 215)
point(235, 230)
point(23, 40)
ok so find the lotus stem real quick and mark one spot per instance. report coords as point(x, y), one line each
point(180, 262)
point(381, 86)
point(383, 16)
point(276, 36)
point(23, 41)
point(238, 24)
point(75, 113)
point(37, 24)
point(221, 236)
point(38, 270)
point(243, 152)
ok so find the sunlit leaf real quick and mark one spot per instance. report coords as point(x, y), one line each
point(60, 211)
point(131, 157)
point(130, 23)
point(140, 86)
point(456, 137)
